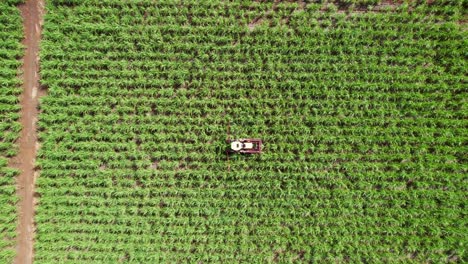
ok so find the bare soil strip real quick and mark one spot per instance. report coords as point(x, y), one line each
point(31, 13)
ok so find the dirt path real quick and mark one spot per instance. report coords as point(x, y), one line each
point(31, 12)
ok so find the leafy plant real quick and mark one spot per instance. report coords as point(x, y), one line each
point(362, 114)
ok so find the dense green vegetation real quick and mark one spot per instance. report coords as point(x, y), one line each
point(363, 115)
point(11, 34)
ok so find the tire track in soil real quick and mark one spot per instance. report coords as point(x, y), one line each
point(31, 12)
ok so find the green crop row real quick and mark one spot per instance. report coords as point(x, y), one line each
point(10, 53)
point(362, 114)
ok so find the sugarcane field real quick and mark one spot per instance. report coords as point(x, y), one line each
point(233, 131)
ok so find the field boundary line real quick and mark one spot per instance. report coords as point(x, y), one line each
point(31, 13)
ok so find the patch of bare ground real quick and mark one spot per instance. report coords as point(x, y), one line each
point(302, 6)
point(259, 19)
point(337, 6)
point(382, 6)
point(343, 7)
point(31, 13)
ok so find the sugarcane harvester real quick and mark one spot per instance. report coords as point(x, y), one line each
point(245, 145)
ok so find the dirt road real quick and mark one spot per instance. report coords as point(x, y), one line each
point(31, 12)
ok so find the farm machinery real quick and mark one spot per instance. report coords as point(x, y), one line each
point(245, 145)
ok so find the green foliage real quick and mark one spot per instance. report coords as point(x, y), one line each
point(10, 51)
point(12, 2)
point(362, 114)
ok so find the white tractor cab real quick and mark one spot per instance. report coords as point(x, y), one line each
point(246, 145)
